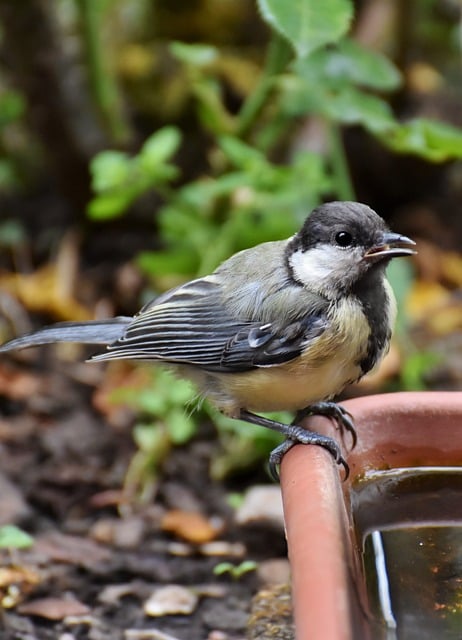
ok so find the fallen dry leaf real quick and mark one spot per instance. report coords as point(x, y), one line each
point(171, 600)
point(51, 289)
point(68, 549)
point(121, 375)
point(41, 292)
point(447, 319)
point(17, 384)
point(190, 526)
point(15, 583)
point(424, 298)
point(451, 268)
point(18, 575)
point(53, 608)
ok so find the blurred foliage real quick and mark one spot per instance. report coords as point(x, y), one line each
point(244, 197)
point(169, 411)
point(232, 113)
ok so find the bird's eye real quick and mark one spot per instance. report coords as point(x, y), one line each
point(344, 239)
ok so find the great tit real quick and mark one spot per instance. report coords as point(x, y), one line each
point(282, 326)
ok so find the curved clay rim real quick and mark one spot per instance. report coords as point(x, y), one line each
point(394, 431)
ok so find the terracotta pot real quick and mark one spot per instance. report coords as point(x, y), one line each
point(395, 431)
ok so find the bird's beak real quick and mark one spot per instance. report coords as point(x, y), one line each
point(390, 245)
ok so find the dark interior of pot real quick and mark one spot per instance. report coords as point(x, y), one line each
point(409, 524)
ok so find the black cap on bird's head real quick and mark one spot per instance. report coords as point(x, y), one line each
point(346, 224)
point(339, 243)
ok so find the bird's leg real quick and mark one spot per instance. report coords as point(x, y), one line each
point(332, 410)
point(294, 434)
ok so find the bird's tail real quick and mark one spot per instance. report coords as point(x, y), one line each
point(92, 332)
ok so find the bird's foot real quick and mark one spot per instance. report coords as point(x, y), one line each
point(332, 410)
point(295, 434)
point(299, 435)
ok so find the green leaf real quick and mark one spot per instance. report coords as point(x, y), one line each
point(180, 392)
point(159, 147)
point(244, 567)
point(148, 437)
point(110, 205)
point(181, 427)
point(222, 567)
point(151, 401)
point(11, 537)
point(12, 107)
point(308, 24)
point(416, 367)
point(352, 106)
point(343, 104)
point(109, 170)
point(240, 154)
point(349, 63)
point(198, 55)
point(430, 139)
point(179, 261)
point(400, 275)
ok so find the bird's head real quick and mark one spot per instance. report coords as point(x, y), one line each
point(341, 244)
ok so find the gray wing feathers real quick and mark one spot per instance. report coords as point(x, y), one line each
point(192, 325)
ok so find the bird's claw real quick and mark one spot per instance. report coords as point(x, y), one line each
point(298, 435)
point(333, 411)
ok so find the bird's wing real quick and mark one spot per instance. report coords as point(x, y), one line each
point(191, 325)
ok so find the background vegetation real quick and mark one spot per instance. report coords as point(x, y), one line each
point(142, 142)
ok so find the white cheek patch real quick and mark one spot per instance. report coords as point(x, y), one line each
point(325, 268)
point(312, 266)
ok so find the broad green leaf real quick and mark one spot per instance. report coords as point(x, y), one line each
point(345, 104)
point(430, 139)
point(352, 106)
point(109, 170)
point(160, 147)
point(308, 24)
point(363, 66)
point(349, 63)
point(11, 537)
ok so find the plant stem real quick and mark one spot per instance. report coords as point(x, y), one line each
point(278, 55)
point(102, 83)
point(342, 178)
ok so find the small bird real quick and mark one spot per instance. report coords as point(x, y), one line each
point(284, 325)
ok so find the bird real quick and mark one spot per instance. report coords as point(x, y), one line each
point(283, 325)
